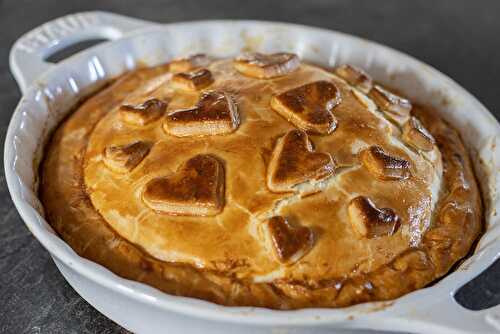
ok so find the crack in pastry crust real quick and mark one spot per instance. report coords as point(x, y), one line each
point(101, 215)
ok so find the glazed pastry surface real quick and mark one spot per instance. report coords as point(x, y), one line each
point(262, 181)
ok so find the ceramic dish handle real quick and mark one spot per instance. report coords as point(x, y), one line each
point(450, 317)
point(28, 55)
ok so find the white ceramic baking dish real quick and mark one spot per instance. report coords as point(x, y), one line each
point(50, 90)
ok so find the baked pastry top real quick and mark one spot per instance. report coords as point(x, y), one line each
point(263, 181)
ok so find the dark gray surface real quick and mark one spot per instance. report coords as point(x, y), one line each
point(460, 38)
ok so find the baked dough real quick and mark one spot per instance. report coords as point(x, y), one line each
point(262, 181)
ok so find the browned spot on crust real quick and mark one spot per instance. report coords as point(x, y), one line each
point(124, 158)
point(189, 63)
point(290, 243)
point(215, 113)
point(196, 189)
point(309, 107)
point(370, 222)
point(384, 166)
point(144, 113)
point(266, 66)
point(355, 76)
point(193, 80)
point(417, 136)
point(294, 161)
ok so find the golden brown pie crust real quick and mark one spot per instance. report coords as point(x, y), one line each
point(223, 257)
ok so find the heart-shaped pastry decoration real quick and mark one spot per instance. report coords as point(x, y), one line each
point(384, 166)
point(370, 222)
point(195, 189)
point(124, 158)
point(415, 135)
point(355, 76)
point(193, 80)
point(289, 243)
point(266, 66)
point(393, 106)
point(188, 63)
point(294, 161)
point(214, 114)
point(143, 114)
point(309, 107)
